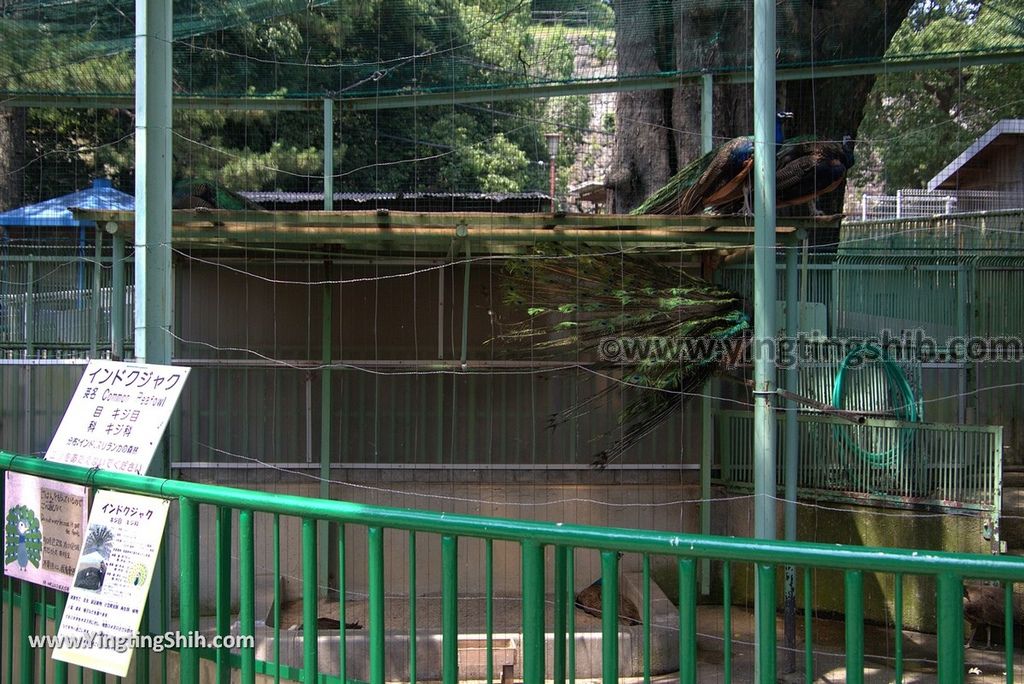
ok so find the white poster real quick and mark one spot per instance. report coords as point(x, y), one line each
point(43, 523)
point(117, 416)
point(112, 576)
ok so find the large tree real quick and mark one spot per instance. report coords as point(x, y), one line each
point(918, 122)
point(657, 132)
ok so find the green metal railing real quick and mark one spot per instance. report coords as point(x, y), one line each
point(947, 570)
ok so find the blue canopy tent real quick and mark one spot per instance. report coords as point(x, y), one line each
point(50, 224)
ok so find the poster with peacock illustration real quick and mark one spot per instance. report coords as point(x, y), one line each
point(43, 523)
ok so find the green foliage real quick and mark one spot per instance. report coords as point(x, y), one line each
point(916, 123)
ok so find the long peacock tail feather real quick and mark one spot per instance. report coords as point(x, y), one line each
point(577, 304)
point(667, 199)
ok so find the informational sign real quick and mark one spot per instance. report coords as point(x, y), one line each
point(117, 416)
point(112, 576)
point(43, 523)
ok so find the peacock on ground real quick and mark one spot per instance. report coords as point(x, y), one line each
point(624, 311)
point(204, 194)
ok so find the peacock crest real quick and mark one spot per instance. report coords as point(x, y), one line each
point(23, 540)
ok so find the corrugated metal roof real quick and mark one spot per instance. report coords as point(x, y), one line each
point(54, 212)
point(301, 197)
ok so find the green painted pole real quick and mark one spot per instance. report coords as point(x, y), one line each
point(277, 602)
point(188, 566)
point(727, 621)
point(30, 316)
point(412, 606)
point(764, 636)
point(60, 669)
point(328, 154)
point(94, 313)
point(27, 617)
point(489, 605)
point(561, 601)
point(117, 298)
point(153, 279)
point(950, 619)
point(570, 587)
point(223, 589)
point(809, 625)
point(707, 442)
point(247, 591)
point(310, 596)
point(375, 539)
point(342, 594)
point(897, 610)
point(465, 306)
point(1008, 628)
point(687, 621)
point(764, 327)
point(707, 101)
point(792, 452)
point(449, 609)
point(326, 412)
point(533, 612)
point(854, 608)
point(646, 616)
point(610, 617)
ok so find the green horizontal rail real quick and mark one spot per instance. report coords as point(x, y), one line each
point(775, 552)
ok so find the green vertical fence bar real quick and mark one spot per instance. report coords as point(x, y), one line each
point(570, 587)
point(375, 539)
point(647, 613)
point(223, 590)
point(188, 572)
point(310, 599)
point(727, 620)
point(449, 609)
point(898, 610)
point(765, 637)
point(609, 616)
point(60, 669)
point(558, 647)
point(247, 591)
point(950, 618)
point(533, 612)
point(687, 621)
point(8, 636)
point(342, 594)
point(1008, 628)
point(489, 605)
point(412, 607)
point(26, 614)
point(854, 608)
point(277, 598)
point(808, 627)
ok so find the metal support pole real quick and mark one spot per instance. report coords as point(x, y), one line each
point(153, 278)
point(707, 96)
point(706, 453)
point(94, 313)
point(464, 356)
point(327, 315)
point(328, 154)
point(792, 450)
point(764, 310)
point(117, 298)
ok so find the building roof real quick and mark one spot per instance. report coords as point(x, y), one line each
point(55, 212)
point(947, 177)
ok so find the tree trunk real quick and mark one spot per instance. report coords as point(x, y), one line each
point(640, 161)
point(719, 35)
point(12, 146)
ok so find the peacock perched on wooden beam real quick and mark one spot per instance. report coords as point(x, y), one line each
point(626, 312)
point(714, 182)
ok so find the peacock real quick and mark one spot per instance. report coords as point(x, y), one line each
point(805, 170)
point(626, 312)
point(23, 538)
point(715, 181)
point(203, 194)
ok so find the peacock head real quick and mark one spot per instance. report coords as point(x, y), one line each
point(780, 134)
point(848, 143)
